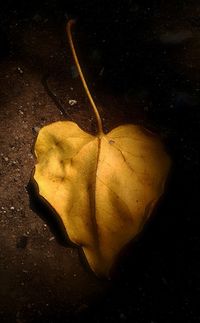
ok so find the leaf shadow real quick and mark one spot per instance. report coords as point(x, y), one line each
point(42, 208)
point(48, 215)
point(153, 249)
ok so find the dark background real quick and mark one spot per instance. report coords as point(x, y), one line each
point(142, 61)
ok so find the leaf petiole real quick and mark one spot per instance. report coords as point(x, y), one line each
point(69, 34)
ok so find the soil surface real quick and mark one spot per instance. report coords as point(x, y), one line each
point(142, 64)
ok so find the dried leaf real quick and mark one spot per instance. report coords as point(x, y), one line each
point(103, 187)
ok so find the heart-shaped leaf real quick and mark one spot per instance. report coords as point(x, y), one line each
point(103, 187)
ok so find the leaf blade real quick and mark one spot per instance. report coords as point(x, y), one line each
point(103, 189)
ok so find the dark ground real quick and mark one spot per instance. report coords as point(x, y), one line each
point(142, 62)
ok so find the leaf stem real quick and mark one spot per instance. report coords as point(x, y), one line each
point(69, 34)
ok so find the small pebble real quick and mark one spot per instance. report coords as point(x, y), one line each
point(20, 70)
point(30, 156)
point(36, 129)
point(72, 102)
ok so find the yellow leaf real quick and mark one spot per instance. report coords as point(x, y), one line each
point(103, 187)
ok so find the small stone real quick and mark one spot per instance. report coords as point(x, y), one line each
point(20, 70)
point(72, 102)
point(12, 208)
point(36, 129)
point(30, 156)
point(51, 239)
point(6, 159)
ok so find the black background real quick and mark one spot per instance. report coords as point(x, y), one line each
point(150, 54)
